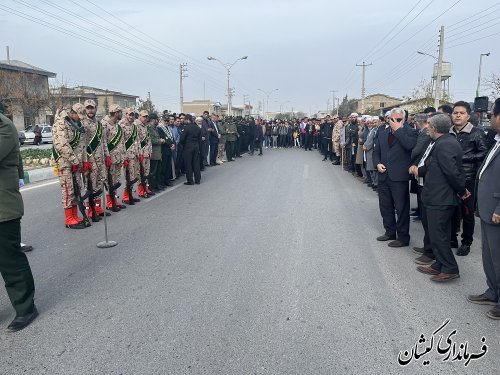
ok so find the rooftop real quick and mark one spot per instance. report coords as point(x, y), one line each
point(21, 66)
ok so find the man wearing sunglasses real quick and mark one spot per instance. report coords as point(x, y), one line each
point(392, 156)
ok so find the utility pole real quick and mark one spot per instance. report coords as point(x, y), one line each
point(333, 99)
point(437, 99)
point(182, 70)
point(363, 89)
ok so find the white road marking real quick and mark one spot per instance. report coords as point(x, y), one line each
point(38, 186)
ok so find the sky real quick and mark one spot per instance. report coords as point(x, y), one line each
point(304, 49)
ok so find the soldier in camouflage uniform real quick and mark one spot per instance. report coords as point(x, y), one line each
point(145, 151)
point(131, 156)
point(69, 152)
point(97, 152)
point(116, 149)
point(230, 133)
point(337, 129)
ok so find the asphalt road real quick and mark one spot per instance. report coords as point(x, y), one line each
point(270, 266)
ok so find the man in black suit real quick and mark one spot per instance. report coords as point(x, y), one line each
point(213, 138)
point(443, 188)
point(424, 139)
point(190, 140)
point(488, 206)
point(392, 156)
point(205, 141)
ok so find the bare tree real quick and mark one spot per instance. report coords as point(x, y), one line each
point(23, 92)
point(493, 83)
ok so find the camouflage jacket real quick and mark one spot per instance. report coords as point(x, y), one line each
point(130, 139)
point(96, 138)
point(144, 138)
point(115, 140)
point(68, 143)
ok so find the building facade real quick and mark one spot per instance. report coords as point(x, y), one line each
point(24, 91)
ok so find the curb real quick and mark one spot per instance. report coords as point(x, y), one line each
point(39, 174)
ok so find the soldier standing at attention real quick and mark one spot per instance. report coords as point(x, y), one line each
point(231, 135)
point(95, 150)
point(68, 150)
point(116, 149)
point(145, 150)
point(14, 265)
point(131, 156)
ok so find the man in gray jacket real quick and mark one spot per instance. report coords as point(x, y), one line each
point(488, 206)
point(14, 265)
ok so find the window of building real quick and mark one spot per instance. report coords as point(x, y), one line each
point(27, 121)
point(382, 104)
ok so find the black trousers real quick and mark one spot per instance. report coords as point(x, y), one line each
point(204, 152)
point(15, 268)
point(427, 241)
point(439, 224)
point(230, 145)
point(490, 236)
point(213, 152)
point(154, 173)
point(327, 148)
point(179, 161)
point(465, 212)
point(192, 162)
point(308, 141)
point(166, 169)
point(236, 147)
point(256, 144)
point(395, 196)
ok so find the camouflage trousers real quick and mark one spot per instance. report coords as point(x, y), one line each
point(147, 166)
point(99, 172)
point(133, 169)
point(220, 151)
point(68, 197)
point(116, 174)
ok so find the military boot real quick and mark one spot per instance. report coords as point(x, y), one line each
point(70, 221)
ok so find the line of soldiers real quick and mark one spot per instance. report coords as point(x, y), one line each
point(91, 154)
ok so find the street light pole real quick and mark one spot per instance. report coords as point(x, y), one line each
point(228, 67)
point(479, 75)
point(268, 94)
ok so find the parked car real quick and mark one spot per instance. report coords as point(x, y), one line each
point(22, 137)
point(46, 134)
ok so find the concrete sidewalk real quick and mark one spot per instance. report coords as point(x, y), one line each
point(40, 174)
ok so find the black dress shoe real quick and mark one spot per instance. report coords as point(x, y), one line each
point(188, 183)
point(122, 206)
point(21, 322)
point(397, 243)
point(481, 299)
point(464, 250)
point(385, 237)
point(137, 200)
point(494, 313)
point(151, 193)
point(114, 209)
point(198, 182)
point(26, 248)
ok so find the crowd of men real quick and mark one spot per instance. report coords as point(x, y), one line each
point(441, 155)
point(448, 161)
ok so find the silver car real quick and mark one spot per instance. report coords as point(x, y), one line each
point(46, 134)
